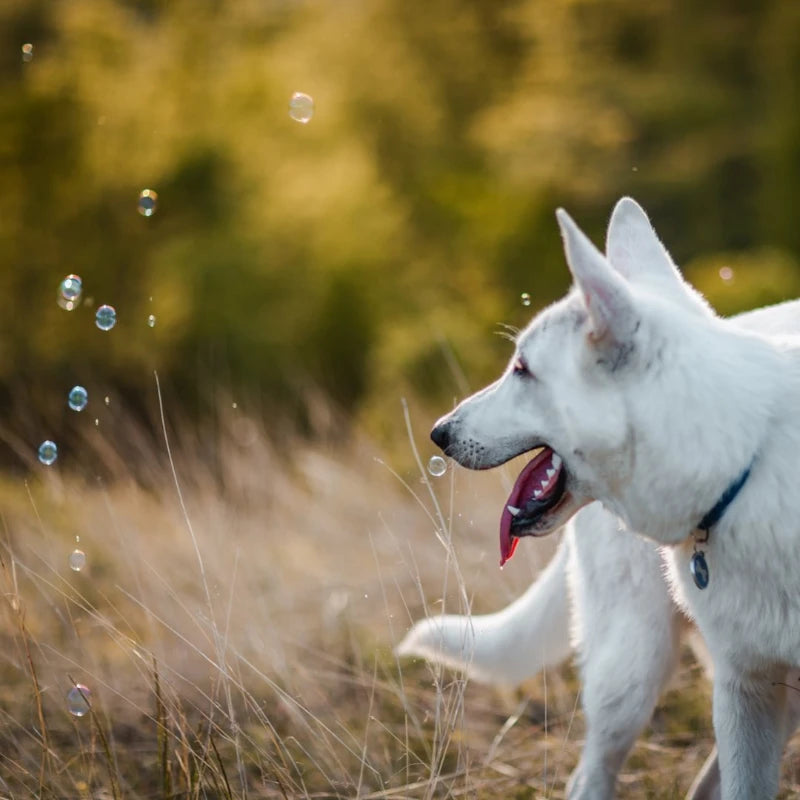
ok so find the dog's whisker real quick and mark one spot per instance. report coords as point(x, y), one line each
point(509, 332)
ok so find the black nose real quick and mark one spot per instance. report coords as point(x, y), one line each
point(441, 434)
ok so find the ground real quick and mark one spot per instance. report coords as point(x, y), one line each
point(234, 627)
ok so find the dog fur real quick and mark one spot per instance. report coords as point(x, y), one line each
point(654, 406)
point(604, 599)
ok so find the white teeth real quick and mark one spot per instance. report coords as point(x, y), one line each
point(556, 461)
point(537, 493)
point(513, 510)
point(550, 473)
point(545, 482)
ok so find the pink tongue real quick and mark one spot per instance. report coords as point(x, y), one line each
point(529, 479)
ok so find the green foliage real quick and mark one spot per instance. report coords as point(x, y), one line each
point(370, 251)
point(735, 282)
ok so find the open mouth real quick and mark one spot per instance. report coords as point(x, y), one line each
point(540, 487)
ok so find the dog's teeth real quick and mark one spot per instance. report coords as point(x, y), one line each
point(513, 510)
point(537, 493)
point(550, 473)
point(556, 461)
point(545, 482)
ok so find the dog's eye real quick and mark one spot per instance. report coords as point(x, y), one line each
point(520, 367)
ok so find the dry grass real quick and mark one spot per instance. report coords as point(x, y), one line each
point(236, 630)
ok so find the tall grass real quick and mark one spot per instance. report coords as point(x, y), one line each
point(235, 626)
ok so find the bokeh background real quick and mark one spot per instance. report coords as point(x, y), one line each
point(373, 252)
point(306, 281)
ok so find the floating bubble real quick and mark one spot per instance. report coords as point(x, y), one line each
point(105, 318)
point(48, 452)
point(27, 52)
point(107, 400)
point(79, 700)
point(69, 292)
point(301, 107)
point(71, 287)
point(526, 299)
point(77, 560)
point(726, 273)
point(437, 466)
point(77, 398)
point(148, 202)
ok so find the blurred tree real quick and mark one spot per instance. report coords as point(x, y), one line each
point(373, 251)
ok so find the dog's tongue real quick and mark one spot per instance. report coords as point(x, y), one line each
point(508, 543)
point(534, 478)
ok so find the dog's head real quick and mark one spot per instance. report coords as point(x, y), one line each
point(566, 394)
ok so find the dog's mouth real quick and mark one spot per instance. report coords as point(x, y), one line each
point(540, 487)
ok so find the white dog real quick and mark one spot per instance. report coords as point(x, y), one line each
point(682, 425)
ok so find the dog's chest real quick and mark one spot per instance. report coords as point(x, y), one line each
point(749, 613)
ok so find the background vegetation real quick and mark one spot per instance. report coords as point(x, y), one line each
point(304, 279)
point(368, 252)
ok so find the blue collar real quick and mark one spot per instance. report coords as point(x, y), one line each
point(721, 506)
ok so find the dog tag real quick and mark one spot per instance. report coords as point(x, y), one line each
point(699, 569)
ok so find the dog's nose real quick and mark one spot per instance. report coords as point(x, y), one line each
point(441, 434)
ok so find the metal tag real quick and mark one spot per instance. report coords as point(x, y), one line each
point(699, 569)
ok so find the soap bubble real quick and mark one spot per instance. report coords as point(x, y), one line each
point(77, 560)
point(69, 292)
point(79, 700)
point(105, 318)
point(301, 107)
point(48, 452)
point(148, 202)
point(27, 52)
point(726, 273)
point(77, 398)
point(526, 299)
point(71, 287)
point(437, 466)
point(151, 321)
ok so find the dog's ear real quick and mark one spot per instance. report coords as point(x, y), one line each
point(633, 248)
point(605, 292)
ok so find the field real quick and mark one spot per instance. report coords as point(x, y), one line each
point(218, 582)
point(234, 629)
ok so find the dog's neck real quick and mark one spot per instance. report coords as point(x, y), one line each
point(715, 514)
point(703, 430)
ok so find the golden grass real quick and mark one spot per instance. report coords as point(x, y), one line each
point(235, 628)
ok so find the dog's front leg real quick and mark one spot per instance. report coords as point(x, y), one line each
point(627, 632)
point(749, 726)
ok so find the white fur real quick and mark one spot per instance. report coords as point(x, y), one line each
point(602, 595)
point(656, 406)
point(530, 634)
